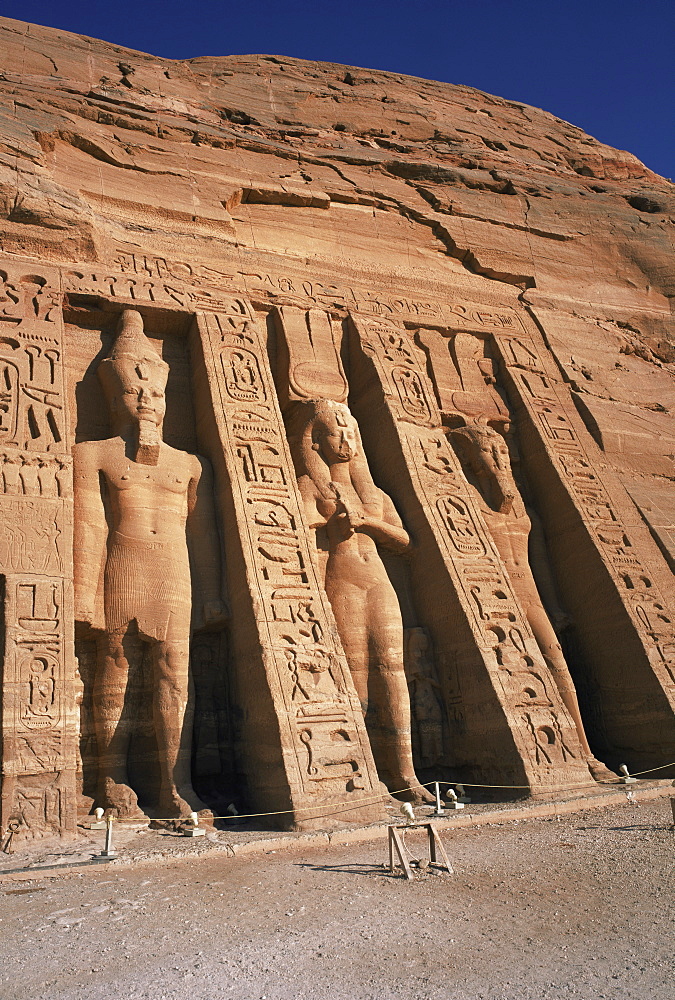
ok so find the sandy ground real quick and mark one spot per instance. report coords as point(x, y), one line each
point(581, 906)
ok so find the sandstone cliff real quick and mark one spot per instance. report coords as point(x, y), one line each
point(106, 151)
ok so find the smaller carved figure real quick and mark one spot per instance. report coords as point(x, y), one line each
point(30, 475)
point(519, 538)
point(352, 517)
point(425, 698)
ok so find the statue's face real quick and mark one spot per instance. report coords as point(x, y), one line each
point(138, 392)
point(143, 401)
point(490, 453)
point(339, 440)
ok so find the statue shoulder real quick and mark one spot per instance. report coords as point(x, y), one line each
point(194, 465)
point(90, 453)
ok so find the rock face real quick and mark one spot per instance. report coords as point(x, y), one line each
point(368, 384)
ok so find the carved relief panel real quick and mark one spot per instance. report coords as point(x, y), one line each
point(35, 556)
point(604, 538)
point(323, 738)
point(491, 609)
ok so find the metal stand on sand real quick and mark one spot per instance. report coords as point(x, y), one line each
point(397, 846)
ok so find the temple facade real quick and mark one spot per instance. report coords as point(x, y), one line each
point(302, 500)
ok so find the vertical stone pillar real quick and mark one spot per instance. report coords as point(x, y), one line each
point(303, 744)
point(39, 724)
point(508, 722)
point(623, 617)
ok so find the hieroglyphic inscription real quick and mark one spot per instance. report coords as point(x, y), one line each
point(36, 516)
point(640, 595)
point(35, 694)
point(294, 622)
point(31, 384)
point(143, 277)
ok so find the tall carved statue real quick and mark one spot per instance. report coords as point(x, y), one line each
point(143, 514)
point(519, 538)
point(352, 517)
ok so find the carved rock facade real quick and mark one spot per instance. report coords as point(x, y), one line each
point(440, 443)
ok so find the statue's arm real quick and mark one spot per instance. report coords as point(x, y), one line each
point(204, 541)
point(313, 517)
point(91, 530)
point(388, 531)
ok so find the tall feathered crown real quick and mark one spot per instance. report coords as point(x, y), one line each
point(132, 357)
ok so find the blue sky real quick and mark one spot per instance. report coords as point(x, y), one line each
point(605, 65)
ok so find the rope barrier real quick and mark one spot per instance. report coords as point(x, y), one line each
point(327, 811)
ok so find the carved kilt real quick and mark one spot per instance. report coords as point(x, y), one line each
point(149, 582)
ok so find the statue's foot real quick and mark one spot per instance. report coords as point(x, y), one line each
point(179, 803)
point(410, 790)
point(599, 771)
point(119, 800)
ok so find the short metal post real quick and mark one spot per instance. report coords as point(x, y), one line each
point(439, 807)
point(108, 851)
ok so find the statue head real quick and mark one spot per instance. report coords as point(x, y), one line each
point(323, 434)
point(485, 453)
point(133, 375)
point(134, 380)
point(335, 433)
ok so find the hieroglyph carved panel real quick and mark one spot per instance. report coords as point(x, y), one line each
point(305, 665)
point(31, 384)
point(38, 735)
point(648, 609)
point(38, 746)
point(539, 721)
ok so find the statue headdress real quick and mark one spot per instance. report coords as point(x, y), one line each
point(133, 360)
point(132, 356)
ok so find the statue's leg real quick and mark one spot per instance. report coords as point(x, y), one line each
point(550, 648)
point(112, 723)
point(173, 718)
point(348, 604)
point(389, 694)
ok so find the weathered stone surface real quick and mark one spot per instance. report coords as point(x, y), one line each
point(423, 338)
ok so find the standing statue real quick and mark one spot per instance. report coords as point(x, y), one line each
point(519, 538)
point(139, 505)
point(352, 517)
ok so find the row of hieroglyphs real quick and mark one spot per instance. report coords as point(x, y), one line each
point(639, 592)
point(141, 278)
point(32, 474)
point(31, 401)
point(294, 627)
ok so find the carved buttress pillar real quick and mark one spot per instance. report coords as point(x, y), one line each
point(303, 745)
point(620, 598)
point(508, 723)
point(39, 726)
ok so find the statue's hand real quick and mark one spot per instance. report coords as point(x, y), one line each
point(340, 525)
point(214, 614)
point(84, 609)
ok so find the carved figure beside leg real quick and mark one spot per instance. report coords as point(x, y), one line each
point(352, 517)
point(136, 501)
point(518, 536)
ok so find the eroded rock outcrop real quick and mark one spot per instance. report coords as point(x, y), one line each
point(421, 269)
